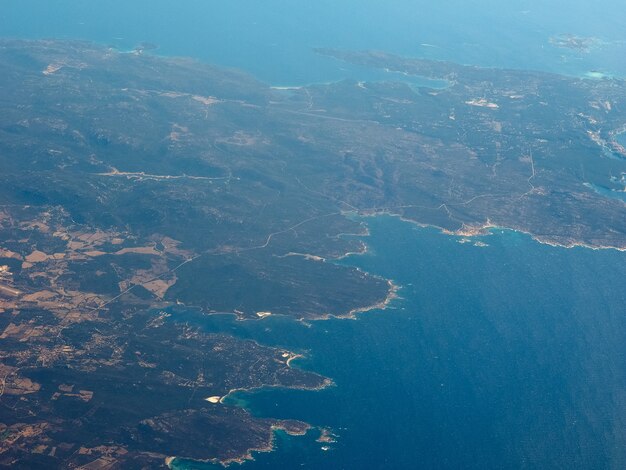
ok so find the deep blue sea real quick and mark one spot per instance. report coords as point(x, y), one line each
point(511, 355)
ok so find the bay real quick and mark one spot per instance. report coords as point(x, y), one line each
point(509, 355)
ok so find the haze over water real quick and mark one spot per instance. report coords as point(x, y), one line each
point(273, 39)
point(505, 356)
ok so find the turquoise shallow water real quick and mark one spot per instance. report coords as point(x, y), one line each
point(505, 356)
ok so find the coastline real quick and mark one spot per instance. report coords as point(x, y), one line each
point(249, 455)
point(325, 433)
point(290, 427)
point(485, 229)
point(470, 231)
